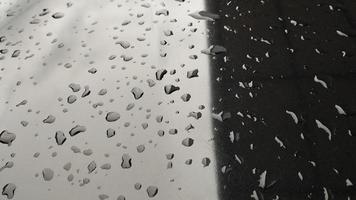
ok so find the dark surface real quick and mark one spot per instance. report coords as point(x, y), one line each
point(285, 81)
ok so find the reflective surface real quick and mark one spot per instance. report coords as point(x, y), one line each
point(177, 99)
point(105, 100)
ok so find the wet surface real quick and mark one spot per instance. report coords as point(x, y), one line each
point(288, 80)
point(177, 99)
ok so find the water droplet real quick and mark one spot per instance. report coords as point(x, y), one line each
point(103, 196)
point(152, 191)
point(137, 92)
point(16, 53)
point(151, 82)
point(71, 99)
point(140, 148)
point(169, 89)
point(160, 74)
point(110, 133)
point(214, 50)
point(7, 137)
point(75, 87)
point(77, 129)
point(86, 91)
point(126, 161)
point(91, 166)
point(67, 166)
point(192, 73)
point(47, 174)
point(121, 197)
point(112, 116)
point(205, 161)
point(50, 119)
point(102, 92)
point(9, 190)
point(123, 44)
point(204, 15)
point(130, 106)
point(163, 11)
point(58, 15)
point(60, 137)
point(106, 166)
point(188, 142)
point(186, 97)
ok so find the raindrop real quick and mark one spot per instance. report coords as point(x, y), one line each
point(102, 92)
point(71, 99)
point(164, 12)
point(9, 190)
point(140, 148)
point(112, 116)
point(160, 74)
point(121, 197)
point(67, 166)
point(60, 137)
point(137, 92)
point(126, 161)
point(205, 161)
point(130, 106)
point(86, 91)
point(91, 166)
point(110, 133)
point(188, 142)
point(152, 191)
point(106, 166)
point(16, 53)
point(214, 50)
point(204, 15)
point(151, 82)
point(186, 97)
point(77, 129)
point(58, 15)
point(47, 174)
point(138, 186)
point(192, 73)
point(7, 137)
point(169, 89)
point(103, 196)
point(49, 120)
point(123, 44)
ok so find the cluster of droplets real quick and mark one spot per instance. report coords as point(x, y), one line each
point(166, 81)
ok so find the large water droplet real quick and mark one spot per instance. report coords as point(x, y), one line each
point(112, 116)
point(152, 191)
point(91, 166)
point(126, 161)
point(7, 137)
point(50, 119)
point(9, 190)
point(169, 89)
point(77, 129)
point(188, 142)
point(214, 50)
point(137, 92)
point(58, 15)
point(60, 137)
point(47, 174)
point(204, 15)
